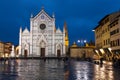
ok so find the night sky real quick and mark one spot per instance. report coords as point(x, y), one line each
point(81, 16)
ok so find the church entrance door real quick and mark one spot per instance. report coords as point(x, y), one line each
point(58, 53)
point(42, 52)
point(25, 53)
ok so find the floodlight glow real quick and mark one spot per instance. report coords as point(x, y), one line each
point(102, 51)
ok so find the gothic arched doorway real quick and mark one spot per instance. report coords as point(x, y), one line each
point(58, 51)
point(25, 53)
point(42, 48)
point(26, 50)
point(42, 52)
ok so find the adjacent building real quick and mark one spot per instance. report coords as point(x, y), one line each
point(17, 51)
point(43, 39)
point(5, 49)
point(105, 35)
point(115, 34)
point(81, 51)
point(1, 49)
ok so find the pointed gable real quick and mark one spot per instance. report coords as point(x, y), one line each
point(43, 15)
point(58, 31)
point(26, 31)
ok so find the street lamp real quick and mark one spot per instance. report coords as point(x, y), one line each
point(79, 41)
point(85, 42)
point(93, 30)
point(82, 42)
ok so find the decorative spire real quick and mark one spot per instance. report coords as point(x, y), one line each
point(26, 28)
point(74, 44)
point(42, 7)
point(65, 29)
point(53, 15)
point(31, 15)
point(20, 29)
point(58, 28)
point(66, 35)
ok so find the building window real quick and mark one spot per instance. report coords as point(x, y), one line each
point(118, 42)
point(118, 30)
point(117, 22)
point(108, 28)
point(104, 42)
point(111, 43)
point(108, 41)
point(114, 32)
point(106, 20)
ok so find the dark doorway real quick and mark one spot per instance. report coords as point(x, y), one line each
point(84, 55)
point(58, 53)
point(25, 53)
point(42, 52)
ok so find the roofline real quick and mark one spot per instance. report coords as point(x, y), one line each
point(100, 22)
point(89, 47)
point(104, 18)
point(96, 27)
point(40, 13)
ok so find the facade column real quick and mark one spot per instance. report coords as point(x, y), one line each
point(53, 38)
point(31, 38)
point(20, 41)
point(53, 43)
point(64, 44)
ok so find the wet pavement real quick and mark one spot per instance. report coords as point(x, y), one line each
point(56, 70)
point(88, 71)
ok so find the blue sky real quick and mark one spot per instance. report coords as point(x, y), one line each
point(81, 16)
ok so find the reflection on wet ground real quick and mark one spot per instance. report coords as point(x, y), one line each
point(32, 70)
point(88, 71)
point(56, 70)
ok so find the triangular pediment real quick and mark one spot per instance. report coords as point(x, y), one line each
point(42, 15)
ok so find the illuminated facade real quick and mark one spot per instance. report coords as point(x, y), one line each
point(81, 52)
point(43, 39)
point(5, 49)
point(66, 38)
point(103, 36)
point(115, 35)
point(1, 49)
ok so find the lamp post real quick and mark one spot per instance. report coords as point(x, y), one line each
point(79, 42)
point(82, 42)
point(85, 42)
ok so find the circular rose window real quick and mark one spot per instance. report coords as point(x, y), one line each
point(42, 26)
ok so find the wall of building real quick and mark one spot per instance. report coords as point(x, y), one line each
point(98, 37)
point(107, 35)
point(81, 52)
point(1, 49)
point(115, 35)
point(5, 49)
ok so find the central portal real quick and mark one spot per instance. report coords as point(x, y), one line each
point(42, 52)
point(42, 49)
point(25, 53)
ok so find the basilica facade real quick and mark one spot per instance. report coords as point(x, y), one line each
point(43, 39)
